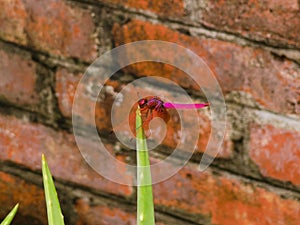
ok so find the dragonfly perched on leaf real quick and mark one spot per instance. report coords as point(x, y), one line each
point(153, 106)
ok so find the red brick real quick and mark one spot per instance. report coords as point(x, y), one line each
point(18, 78)
point(251, 70)
point(23, 143)
point(103, 214)
point(66, 83)
point(163, 8)
point(275, 22)
point(50, 26)
point(222, 199)
point(32, 206)
point(276, 151)
point(13, 17)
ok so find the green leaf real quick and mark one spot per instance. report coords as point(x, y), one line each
point(10, 216)
point(145, 208)
point(55, 216)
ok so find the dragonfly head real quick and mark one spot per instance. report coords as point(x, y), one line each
point(142, 102)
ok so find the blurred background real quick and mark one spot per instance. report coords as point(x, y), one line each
point(251, 47)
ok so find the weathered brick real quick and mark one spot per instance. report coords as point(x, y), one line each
point(237, 68)
point(98, 214)
point(276, 151)
point(32, 206)
point(163, 8)
point(275, 22)
point(221, 199)
point(66, 86)
point(18, 78)
point(13, 20)
point(101, 214)
point(66, 83)
point(50, 26)
point(23, 143)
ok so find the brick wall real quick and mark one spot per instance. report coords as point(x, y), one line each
point(253, 49)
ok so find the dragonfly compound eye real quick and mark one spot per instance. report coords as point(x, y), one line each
point(142, 102)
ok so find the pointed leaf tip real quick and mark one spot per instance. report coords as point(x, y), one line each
point(10, 216)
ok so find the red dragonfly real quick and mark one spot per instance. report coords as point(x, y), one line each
point(153, 106)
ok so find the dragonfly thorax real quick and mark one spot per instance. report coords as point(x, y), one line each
point(154, 103)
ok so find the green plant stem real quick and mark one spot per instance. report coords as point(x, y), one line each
point(145, 207)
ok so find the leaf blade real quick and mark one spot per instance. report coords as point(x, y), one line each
point(54, 213)
point(7, 220)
